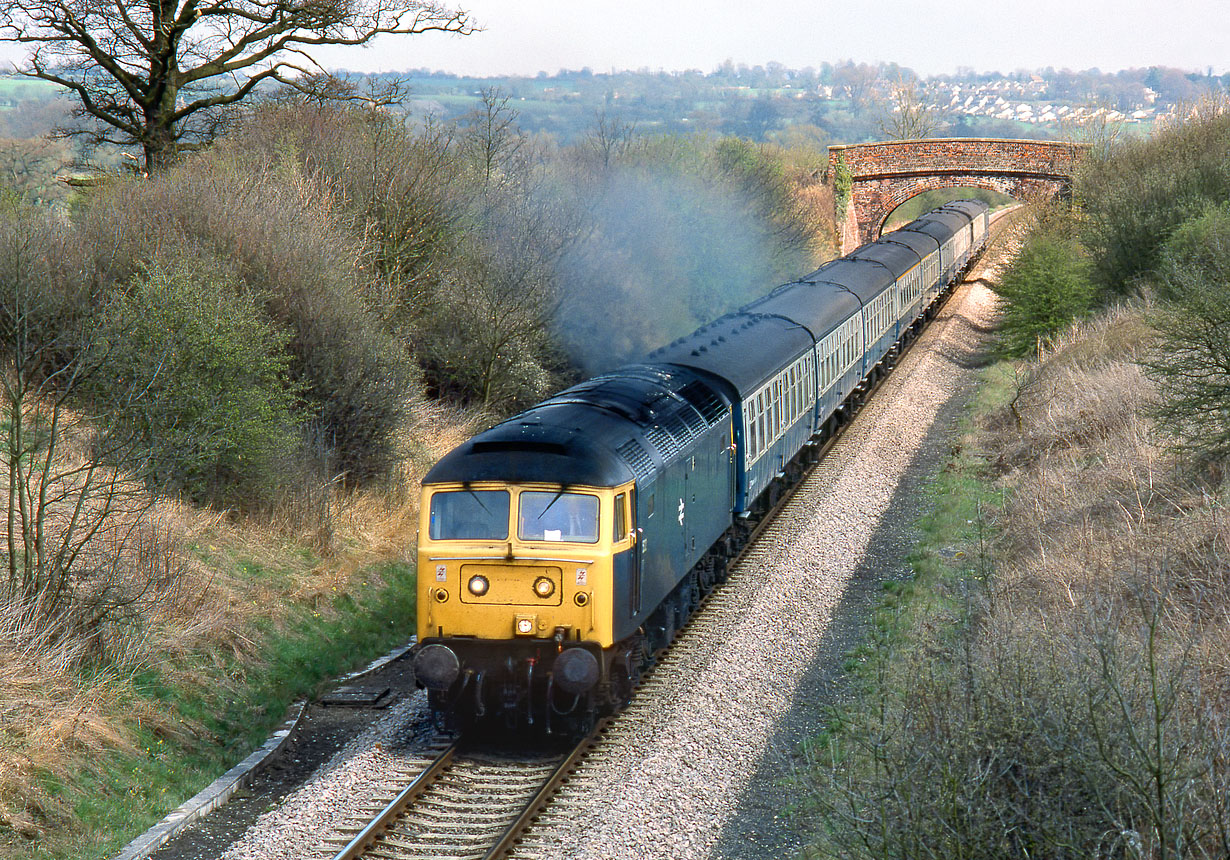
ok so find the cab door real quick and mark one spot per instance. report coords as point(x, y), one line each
point(626, 556)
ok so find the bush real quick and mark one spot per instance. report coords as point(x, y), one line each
point(1137, 196)
point(286, 244)
point(1062, 743)
point(1191, 363)
point(1046, 287)
point(189, 362)
point(463, 258)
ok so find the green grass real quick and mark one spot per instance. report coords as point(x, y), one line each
point(234, 710)
point(948, 560)
point(11, 85)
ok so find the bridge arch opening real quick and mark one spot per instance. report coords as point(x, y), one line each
point(928, 199)
point(876, 178)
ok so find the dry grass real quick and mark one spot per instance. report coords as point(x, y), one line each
point(1072, 701)
point(1093, 491)
point(223, 576)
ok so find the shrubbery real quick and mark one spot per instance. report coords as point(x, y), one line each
point(1135, 196)
point(1191, 362)
point(287, 247)
point(189, 361)
point(1046, 287)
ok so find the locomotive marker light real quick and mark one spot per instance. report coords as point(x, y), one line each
point(478, 585)
point(544, 587)
point(526, 624)
point(441, 595)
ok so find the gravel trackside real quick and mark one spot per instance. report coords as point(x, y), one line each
point(674, 787)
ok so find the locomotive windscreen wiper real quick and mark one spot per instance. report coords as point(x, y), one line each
point(554, 499)
point(477, 499)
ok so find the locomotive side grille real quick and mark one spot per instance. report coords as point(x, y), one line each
point(675, 425)
point(664, 441)
point(694, 423)
point(636, 457)
point(702, 397)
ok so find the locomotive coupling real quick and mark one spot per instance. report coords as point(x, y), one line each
point(436, 667)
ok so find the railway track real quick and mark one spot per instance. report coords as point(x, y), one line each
point(479, 805)
point(466, 803)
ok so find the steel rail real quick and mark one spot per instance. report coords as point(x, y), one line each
point(376, 828)
point(543, 796)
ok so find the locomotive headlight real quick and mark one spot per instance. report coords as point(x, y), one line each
point(544, 587)
point(478, 585)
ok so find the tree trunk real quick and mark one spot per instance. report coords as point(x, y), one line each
point(159, 147)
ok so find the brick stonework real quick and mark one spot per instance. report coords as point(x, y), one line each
point(888, 174)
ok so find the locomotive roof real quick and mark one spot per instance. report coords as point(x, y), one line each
point(602, 432)
point(744, 348)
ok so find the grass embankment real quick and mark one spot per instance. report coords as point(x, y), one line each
point(265, 613)
point(1051, 683)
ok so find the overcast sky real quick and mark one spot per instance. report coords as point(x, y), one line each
point(528, 36)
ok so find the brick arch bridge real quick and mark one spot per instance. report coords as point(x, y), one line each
point(887, 174)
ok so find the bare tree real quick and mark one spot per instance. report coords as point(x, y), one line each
point(160, 74)
point(29, 168)
point(609, 138)
point(907, 116)
point(859, 83)
point(492, 136)
point(75, 503)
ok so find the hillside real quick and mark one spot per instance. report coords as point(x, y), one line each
point(1053, 683)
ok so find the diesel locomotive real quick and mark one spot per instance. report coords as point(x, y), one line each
point(560, 549)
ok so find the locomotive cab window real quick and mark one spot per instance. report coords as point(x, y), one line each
point(621, 517)
point(470, 515)
point(558, 517)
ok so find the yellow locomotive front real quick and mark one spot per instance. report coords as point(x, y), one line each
point(510, 562)
point(538, 594)
point(516, 585)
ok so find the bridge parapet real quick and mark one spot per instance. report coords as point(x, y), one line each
point(886, 174)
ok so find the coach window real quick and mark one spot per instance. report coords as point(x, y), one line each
point(760, 421)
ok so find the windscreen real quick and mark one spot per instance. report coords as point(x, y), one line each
point(470, 515)
point(558, 516)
